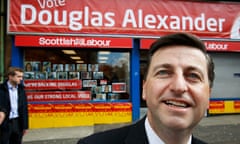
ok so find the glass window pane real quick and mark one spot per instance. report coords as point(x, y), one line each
point(104, 73)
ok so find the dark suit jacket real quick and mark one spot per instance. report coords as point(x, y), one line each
point(131, 134)
point(22, 106)
point(2, 110)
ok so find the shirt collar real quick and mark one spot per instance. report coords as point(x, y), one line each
point(10, 86)
point(153, 138)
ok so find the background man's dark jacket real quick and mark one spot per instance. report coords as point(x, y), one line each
point(22, 106)
point(132, 134)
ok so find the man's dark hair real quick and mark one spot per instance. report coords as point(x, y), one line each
point(182, 39)
point(12, 71)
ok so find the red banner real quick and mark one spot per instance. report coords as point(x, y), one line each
point(84, 107)
point(37, 108)
point(134, 18)
point(237, 104)
point(73, 114)
point(52, 84)
point(83, 42)
point(216, 105)
point(51, 108)
point(58, 96)
point(121, 107)
point(210, 45)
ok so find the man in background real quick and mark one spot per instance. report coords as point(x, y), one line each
point(13, 100)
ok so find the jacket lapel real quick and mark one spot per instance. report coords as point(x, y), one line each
point(197, 141)
point(137, 133)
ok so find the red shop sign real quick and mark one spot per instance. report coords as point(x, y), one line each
point(67, 41)
point(210, 45)
point(217, 105)
point(128, 18)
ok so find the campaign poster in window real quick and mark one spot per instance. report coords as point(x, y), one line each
point(60, 67)
point(73, 75)
point(70, 67)
point(81, 67)
point(62, 75)
point(96, 89)
point(46, 66)
point(118, 87)
point(89, 83)
point(86, 75)
point(106, 88)
point(57, 67)
point(93, 67)
point(97, 75)
point(29, 75)
point(28, 66)
point(103, 82)
point(36, 66)
point(52, 75)
point(40, 75)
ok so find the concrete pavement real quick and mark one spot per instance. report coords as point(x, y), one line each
point(219, 129)
point(222, 129)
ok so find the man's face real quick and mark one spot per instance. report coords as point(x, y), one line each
point(177, 88)
point(17, 78)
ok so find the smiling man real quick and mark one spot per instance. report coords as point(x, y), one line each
point(176, 87)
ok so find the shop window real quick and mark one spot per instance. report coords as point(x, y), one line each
point(102, 75)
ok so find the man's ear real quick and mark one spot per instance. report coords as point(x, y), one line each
point(143, 90)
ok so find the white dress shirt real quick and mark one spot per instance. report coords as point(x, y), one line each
point(13, 93)
point(153, 138)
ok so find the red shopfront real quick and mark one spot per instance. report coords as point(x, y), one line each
point(65, 40)
point(72, 81)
